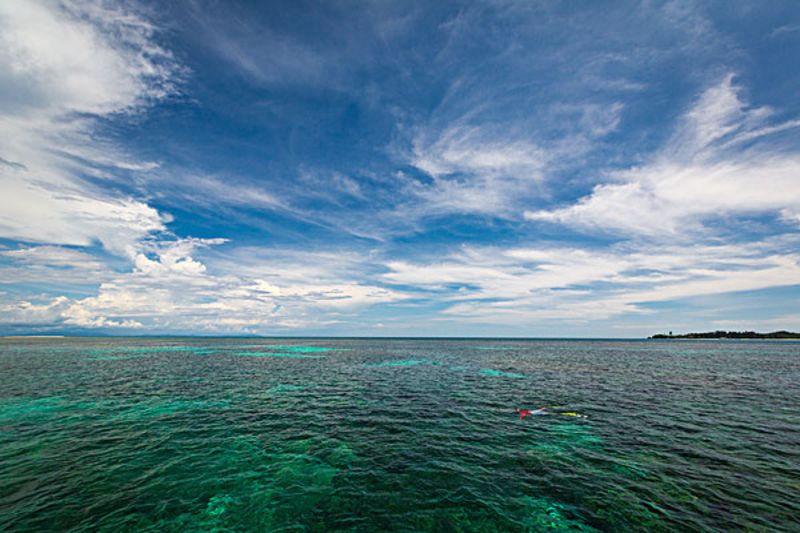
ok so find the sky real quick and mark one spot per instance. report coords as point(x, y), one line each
point(399, 168)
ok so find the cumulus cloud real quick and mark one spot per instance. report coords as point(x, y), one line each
point(30, 313)
point(173, 257)
point(716, 163)
point(63, 65)
point(171, 289)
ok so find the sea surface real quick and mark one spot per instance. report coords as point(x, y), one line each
point(398, 435)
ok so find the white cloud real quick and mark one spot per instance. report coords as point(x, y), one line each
point(785, 29)
point(476, 169)
point(214, 193)
point(519, 285)
point(463, 149)
point(61, 65)
point(69, 267)
point(173, 257)
point(87, 312)
point(170, 289)
point(174, 288)
point(28, 313)
point(715, 164)
point(54, 256)
point(73, 215)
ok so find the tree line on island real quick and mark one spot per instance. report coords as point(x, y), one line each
point(720, 334)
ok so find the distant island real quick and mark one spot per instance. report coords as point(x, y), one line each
point(730, 335)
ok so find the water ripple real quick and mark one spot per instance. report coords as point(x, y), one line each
point(397, 435)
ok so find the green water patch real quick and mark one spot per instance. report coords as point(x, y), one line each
point(218, 505)
point(545, 514)
point(523, 513)
point(217, 516)
point(287, 348)
point(456, 519)
point(169, 349)
point(302, 474)
point(500, 374)
point(624, 510)
point(14, 410)
point(618, 505)
point(278, 354)
point(333, 452)
point(629, 469)
point(576, 434)
point(122, 353)
point(144, 349)
point(298, 349)
point(268, 485)
point(400, 362)
point(153, 409)
point(560, 441)
point(341, 456)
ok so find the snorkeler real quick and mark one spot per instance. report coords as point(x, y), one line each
point(545, 411)
point(524, 412)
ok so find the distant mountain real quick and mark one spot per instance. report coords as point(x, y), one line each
point(730, 335)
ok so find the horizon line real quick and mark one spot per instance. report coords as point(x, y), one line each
point(356, 337)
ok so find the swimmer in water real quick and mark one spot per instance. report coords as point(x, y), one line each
point(524, 412)
point(544, 411)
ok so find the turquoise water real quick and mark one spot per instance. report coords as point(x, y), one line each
point(398, 435)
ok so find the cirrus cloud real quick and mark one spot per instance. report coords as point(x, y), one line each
point(717, 163)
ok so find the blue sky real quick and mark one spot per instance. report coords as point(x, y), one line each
point(488, 168)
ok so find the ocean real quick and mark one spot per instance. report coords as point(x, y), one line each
point(198, 434)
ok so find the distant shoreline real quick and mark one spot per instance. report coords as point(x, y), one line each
point(735, 335)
